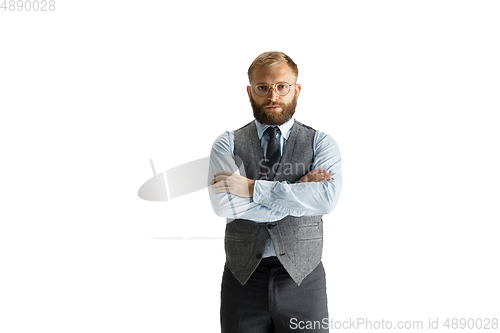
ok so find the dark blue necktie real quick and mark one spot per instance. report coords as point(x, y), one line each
point(273, 153)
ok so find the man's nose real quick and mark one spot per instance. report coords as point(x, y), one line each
point(272, 95)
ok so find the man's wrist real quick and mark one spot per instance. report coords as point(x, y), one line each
point(251, 186)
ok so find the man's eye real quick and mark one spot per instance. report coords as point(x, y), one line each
point(282, 86)
point(262, 88)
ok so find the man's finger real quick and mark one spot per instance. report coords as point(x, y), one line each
point(317, 171)
point(221, 175)
point(219, 183)
point(223, 172)
point(222, 189)
point(221, 178)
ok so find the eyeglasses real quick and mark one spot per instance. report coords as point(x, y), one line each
point(281, 88)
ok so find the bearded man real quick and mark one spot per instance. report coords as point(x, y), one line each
point(273, 179)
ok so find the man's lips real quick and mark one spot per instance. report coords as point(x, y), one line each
point(273, 107)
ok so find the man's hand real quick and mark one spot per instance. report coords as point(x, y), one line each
point(226, 181)
point(319, 175)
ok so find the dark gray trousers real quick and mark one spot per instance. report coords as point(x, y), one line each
point(271, 302)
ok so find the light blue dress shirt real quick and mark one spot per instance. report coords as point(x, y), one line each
point(273, 200)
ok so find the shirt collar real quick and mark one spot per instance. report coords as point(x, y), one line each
point(285, 129)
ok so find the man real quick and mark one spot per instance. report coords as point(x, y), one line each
point(273, 179)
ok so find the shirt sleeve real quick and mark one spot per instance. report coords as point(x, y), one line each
point(306, 199)
point(229, 205)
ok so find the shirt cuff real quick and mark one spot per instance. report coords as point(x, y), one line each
point(270, 194)
point(261, 191)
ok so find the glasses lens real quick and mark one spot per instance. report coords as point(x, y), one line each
point(282, 88)
point(261, 89)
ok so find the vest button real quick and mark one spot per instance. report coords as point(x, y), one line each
point(258, 256)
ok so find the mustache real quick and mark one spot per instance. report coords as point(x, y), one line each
point(275, 104)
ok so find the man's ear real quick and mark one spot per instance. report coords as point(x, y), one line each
point(298, 87)
point(249, 92)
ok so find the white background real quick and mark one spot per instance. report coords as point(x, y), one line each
point(93, 90)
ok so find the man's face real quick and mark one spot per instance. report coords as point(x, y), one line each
point(273, 109)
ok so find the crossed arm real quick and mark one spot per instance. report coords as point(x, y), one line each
point(228, 182)
point(235, 196)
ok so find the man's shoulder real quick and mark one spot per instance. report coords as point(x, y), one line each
point(247, 126)
point(321, 139)
point(319, 133)
point(226, 139)
point(224, 142)
point(303, 125)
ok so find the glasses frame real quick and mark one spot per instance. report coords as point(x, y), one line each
point(271, 86)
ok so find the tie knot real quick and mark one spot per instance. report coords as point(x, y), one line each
point(272, 131)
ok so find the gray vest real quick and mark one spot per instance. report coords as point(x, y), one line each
point(298, 241)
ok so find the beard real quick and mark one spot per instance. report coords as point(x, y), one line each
point(272, 117)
